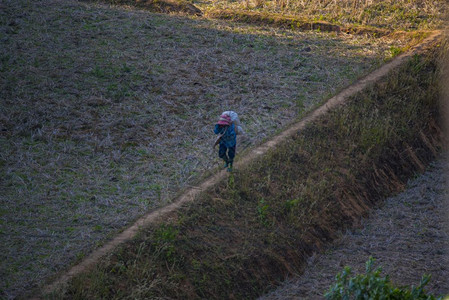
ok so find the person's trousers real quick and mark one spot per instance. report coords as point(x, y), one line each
point(227, 154)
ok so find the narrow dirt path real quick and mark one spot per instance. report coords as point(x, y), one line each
point(190, 194)
point(408, 236)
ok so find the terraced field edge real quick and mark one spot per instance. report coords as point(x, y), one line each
point(252, 230)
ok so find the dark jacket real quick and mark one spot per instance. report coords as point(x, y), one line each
point(229, 139)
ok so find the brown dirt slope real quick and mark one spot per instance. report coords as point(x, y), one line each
point(293, 22)
point(162, 6)
point(408, 236)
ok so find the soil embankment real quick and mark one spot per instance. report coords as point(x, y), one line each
point(247, 232)
point(408, 236)
point(279, 20)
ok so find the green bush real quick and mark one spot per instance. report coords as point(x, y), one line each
point(372, 286)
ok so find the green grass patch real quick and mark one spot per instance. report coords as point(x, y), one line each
point(372, 285)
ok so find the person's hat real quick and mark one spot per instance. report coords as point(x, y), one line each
point(224, 120)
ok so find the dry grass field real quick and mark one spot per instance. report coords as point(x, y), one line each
point(390, 14)
point(246, 233)
point(106, 112)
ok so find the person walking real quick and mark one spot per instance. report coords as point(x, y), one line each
point(227, 140)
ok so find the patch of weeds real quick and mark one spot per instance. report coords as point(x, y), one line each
point(5, 65)
point(372, 285)
point(262, 212)
point(77, 218)
point(196, 264)
point(80, 256)
point(231, 181)
point(300, 106)
point(292, 204)
point(395, 51)
point(145, 201)
point(118, 268)
point(70, 229)
point(157, 69)
point(98, 228)
point(118, 92)
point(98, 72)
point(375, 136)
point(97, 281)
point(164, 239)
point(157, 188)
point(127, 68)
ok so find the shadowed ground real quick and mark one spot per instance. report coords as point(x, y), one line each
point(408, 236)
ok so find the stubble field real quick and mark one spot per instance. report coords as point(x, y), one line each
point(107, 113)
